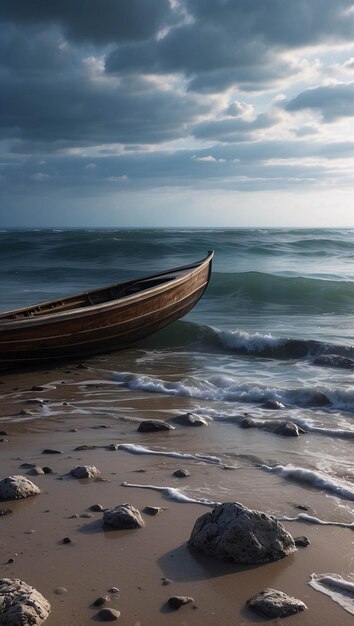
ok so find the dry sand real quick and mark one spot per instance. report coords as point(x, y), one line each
point(136, 561)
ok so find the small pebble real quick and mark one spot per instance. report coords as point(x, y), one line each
point(177, 601)
point(51, 451)
point(47, 470)
point(101, 600)
point(60, 590)
point(108, 615)
point(113, 590)
point(66, 540)
point(166, 581)
point(302, 542)
point(11, 561)
point(5, 512)
point(97, 508)
point(86, 515)
point(181, 473)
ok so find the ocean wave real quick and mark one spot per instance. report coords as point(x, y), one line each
point(317, 294)
point(136, 449)
point(174, 494)
point(311, 519)
point(336, 587)
point(316, 479)
point(226, 388)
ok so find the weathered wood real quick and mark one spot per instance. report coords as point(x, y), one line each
point(101, 320)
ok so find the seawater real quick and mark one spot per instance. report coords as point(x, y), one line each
point(275, 325)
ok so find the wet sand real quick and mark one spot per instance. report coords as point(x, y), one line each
point(136, 561)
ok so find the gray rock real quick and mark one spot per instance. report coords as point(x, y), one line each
point(85, 447)
point(153, 426)
point(51, 451)
point(274, 603)
point(191, 419)
point(302, 542)
point(21, 604)
point(177, 601)
point(113, 446)
point(85, 471)
point(123, 516)
point(96, 508)
point(153, 510)
point(232, 532)
point(275, 405)
point(17, 487)
point(35, 471)
point(101, 600)
point(181, 473)
point(289, 429)
point(248, 422)
point(108, 615)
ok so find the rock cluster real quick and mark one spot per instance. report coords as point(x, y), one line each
point(232, 532)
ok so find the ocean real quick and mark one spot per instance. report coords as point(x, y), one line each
point(271, 341)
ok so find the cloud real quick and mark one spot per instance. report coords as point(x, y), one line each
point(333, 101)
point(93, 20)
point(233, 129)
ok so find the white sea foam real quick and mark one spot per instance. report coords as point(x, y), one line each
point(321, 430)
point(174, 494)
point(135, 449)
point(311, 519)
point(227, 388)
point(241, 340)
point(336, 587)
point(317, 479)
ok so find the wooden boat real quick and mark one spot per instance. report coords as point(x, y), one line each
point(101, 320)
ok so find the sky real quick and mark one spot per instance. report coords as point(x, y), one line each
point(176, 113)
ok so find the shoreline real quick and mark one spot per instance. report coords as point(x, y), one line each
point(136, 561)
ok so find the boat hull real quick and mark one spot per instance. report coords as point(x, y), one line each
point(103, 328)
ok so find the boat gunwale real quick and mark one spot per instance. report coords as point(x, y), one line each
point(84, 311)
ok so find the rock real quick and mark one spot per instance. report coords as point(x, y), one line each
point(320, 399)
point(113, 446)
point(101, 600)
point(153, 510)
point(21, 604)
point(85, 471)
point(51, 451)
point(60, 590)
point(302, 542)
point(97, 508)
point(17, 487)
point(47, 470)
point(166, 581)
point(181, 473)
point(302, 507)
point(113, 590)
point(177, 601)
point(248, 422)
point(25, 412)
point(3, 433)
point(334, 360)
point(153, 426)
point(5, 512)
point(35, 471)
point(275, 405)
point(108, 615)
point(66, 540)
point(289, 429)
point(191, 419)
point(123, 516)
point(40, 388)
point(232, 532)
point(274, 603)
point(85, 447)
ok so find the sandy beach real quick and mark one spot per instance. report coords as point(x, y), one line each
point(138, 561)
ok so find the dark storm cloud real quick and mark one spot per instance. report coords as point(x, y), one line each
point(99, 21)
point(51, 97)
point(333, 101)
point(228, 42)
